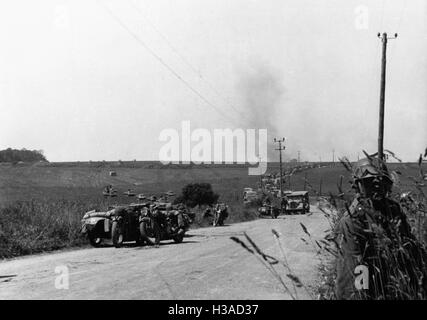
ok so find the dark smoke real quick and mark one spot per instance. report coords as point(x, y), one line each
point(261, 90)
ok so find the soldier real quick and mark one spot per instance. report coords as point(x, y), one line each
point(284, 202)
point(180, 217)
point(208, 211)
point(378, 255)
point(153, 200)
point(106, 190)
point(158, 219)
point(267, 201)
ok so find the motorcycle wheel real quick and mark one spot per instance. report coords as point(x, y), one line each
point(94, 240)
point(140, 241)
point(178, 238)
point(145, 236)
point(116, 234)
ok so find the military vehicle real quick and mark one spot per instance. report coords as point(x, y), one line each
point(298, 202)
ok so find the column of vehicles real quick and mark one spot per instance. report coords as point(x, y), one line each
point(293, 202)
point(143, 223)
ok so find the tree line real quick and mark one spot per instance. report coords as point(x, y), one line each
point(24, 155)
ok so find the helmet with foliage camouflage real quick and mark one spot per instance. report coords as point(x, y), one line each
point(371, 178)
point(371, 168)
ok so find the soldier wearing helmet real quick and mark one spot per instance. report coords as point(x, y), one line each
point(179, 216)
point(367, 234)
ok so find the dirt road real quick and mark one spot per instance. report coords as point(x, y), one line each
point(207, 265)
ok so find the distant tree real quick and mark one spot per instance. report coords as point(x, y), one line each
point(194, 194)
point(14, 155)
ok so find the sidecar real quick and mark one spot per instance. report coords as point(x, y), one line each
point(97, 226)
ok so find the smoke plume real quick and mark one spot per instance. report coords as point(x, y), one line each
point(261, 91)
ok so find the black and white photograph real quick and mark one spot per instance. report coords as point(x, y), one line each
point(230, 152)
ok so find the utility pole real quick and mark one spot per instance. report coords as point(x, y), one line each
point(333, 157)
point(299, 152)
point(279, 141)
point(384, 39)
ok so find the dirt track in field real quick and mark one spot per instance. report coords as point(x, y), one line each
point(207, 265)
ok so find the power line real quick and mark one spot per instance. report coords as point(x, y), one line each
point(181, 56)
point(172, 47)
point(169, 68)
point(402, 13)
point(382, 15)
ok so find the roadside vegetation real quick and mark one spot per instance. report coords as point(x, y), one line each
point(409, 190)
point(34, 226)
point(28, 227)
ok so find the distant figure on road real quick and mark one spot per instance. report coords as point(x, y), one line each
point(284, 203)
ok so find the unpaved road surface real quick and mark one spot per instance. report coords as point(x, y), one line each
point(207, 265)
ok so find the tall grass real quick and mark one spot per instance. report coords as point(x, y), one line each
point(402, 269)
point(28, 227)
point(33, 226)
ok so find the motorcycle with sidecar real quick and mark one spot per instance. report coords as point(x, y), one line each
point(163, 222)
point(125, 224)
point(97, 226)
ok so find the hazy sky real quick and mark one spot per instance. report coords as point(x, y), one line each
point(77, 84)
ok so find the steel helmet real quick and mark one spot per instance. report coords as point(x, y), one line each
point(370, 168)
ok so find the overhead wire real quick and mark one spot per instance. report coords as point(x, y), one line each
point(184, 60)
point(402, 13)
point(167, 66)
point(382, 16)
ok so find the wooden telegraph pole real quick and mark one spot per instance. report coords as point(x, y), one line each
point(279, 141)
point(384, 39)
point(260, 176)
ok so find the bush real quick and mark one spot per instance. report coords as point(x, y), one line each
point(195, 194)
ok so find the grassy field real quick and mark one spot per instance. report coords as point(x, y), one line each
point(41, 204)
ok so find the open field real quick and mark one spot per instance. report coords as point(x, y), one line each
point(42, 204)
point(84, 181)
